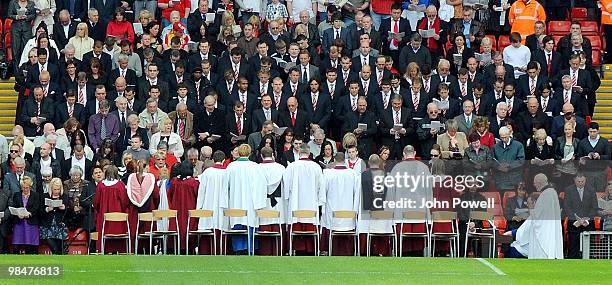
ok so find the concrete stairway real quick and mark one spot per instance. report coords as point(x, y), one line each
point(603, 108)
point(8, 106)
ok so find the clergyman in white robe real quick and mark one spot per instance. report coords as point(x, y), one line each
point(213, 196)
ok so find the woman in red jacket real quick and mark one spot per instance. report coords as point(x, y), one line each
point(119, 27)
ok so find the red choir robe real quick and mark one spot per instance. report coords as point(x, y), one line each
point(183, 196)
point(110, 197)
point(144, 197)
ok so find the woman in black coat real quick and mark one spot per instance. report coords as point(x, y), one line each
point(52, 226)
point(459, 47)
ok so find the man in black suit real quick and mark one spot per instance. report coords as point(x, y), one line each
point(380, 102)
point(332, 86)
point(580, 206)
point(238, 125)
point(367, 28)
point(549, 59)
point(527, 119)
point(279, 95)
point(345, 71)
point(262, 84)
point(568, 94)
point(395, 24)
point(265, 113)
point(365, 137)
point(548, 104)
point(313, 32)
point(50, 88)
point(580, 78)
point(98, 52)
point(568, 116)
point(226, 87)
point(416, 100)
point(493, 72)
point(380, 71)
point(119, 89)
point(70, 109)
point(367, 83)
point(347, 103)
point(462, 87)
point(317, 104)
point(414, 52)
point(474, 73)
point(76, 159)
point(122, 112)
point(596, 153)
point(123, 71)
point(476, 29)
point(198, 17)
point(515, 105)
point(295, 87)
point(43, 158)
point(134, 105)
point(295, 118)
point(96, 25)
point(151, 79)
point(196, 59)
point(64, 30)
point(36, 111)
point(442, 77)
point(176, 77)
point(235, 62)
point(532, 41)
point(444, 99)
point(242, 94)
point(529, 84)
point(564, 46)
point(275, 34)
point(42, 65)
point(498, 118)
point(483, 104)
point(364, 58)
point(106, 8)
point(182, 96)
point(211, 123)
point(396, 128)
point(93, 106)
point(335, 32)
point(332, 61)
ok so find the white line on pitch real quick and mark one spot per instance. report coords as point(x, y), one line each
point(280, 272)
point(491, 266)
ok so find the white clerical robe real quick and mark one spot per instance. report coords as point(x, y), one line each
point(343, 193)
point(413, 189)
point(212, 196)
point(546, 238)
point(274, 176)
point(247, 190)
point(302, 188)
point(164, 204)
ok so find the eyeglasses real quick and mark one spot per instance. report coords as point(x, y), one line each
point(435, 155)
point(14, 151)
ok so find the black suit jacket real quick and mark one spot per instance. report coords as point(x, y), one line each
point(127, 114)
point(454, 109)
point(97, 32)
point(366, 139)
point(302, 123)
point(230, 122)
point(61, 114)
point(517, 106)
point(105, 61)
point(66, 165)
point(485, 105)
point(105, 10)
point(407, 55)
point(583, 80)
point(195, 60)
point(455, 90)
point(385, 27)
point(29, 111)
point(577, 100)
point(357, 64)
point(421, 111)
point(213, 123)
point(80, 9)
point(33, 206)
point(573, 206)
point(322, 114)
point(387, 122)
point(34, 72)
point(343, 108)
point(523, 86)
point(258, 118)
point(130, 77)
point(144, 85)
point(61, 40)
point(540, 57)
point(196, 19)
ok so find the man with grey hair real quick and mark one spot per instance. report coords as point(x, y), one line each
point(122, 112)
point(64, 30)
point(152, 117)
point(122, 70)
point(134, 62)
point(443, 75)
point(318, 137)
point(194, 162)
point(103, 126)
point(12, 180)
point(97, 29)
point(501, 113)
point(254, 139)
point(428, 130)
point(77, 159)
point(510, 155)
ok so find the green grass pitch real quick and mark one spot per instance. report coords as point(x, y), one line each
point(234, 270)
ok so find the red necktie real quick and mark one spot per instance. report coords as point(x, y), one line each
point(509, 106)
point(574, 79)
point(565, 98)
point(314, 102)
point(354, 105)
point(70, 111)
point(45, 92)
point(81, 97)
point(426, 85)
point(463, 90)
point(239, 125)
point(415, 101)
point(277, 99)
point(477, 105)
point(544, 104)
point(549, 64)
point(396, 30)
point(397, 117)
point(182, 128)
point(385, 101)
point(293, 119)
point(532, 88)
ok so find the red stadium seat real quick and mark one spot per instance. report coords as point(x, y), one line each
point(7, 25)
point(497, 207)
point(508, 195)
point(556, 38)
point(596, 58)
point(559, 27)
point(493, 41)
point(595, 41)
point(7, 44)
point(504, 41)
point(579, 14)
point(590, 28)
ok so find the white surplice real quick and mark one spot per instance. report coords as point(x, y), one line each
point(546, 239)
point(274, 176)
point(412, 189)
point(302, 188)
point(343, 192)
point(212, 195)
point(247, 190)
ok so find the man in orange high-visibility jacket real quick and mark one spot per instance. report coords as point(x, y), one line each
point(523, 15)
point(606, 21)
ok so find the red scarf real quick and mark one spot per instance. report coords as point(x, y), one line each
point(432, 44)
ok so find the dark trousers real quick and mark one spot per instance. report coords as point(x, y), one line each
point(25, 249)
point(21, 32)
point(608, 31)
point(573, 239)
point(3, 245)
point(56, 246)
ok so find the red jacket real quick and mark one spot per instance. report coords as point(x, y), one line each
point(383, 6)
point(122, 30)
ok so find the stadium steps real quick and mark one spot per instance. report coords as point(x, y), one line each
point(8, 106)
point(603, 108)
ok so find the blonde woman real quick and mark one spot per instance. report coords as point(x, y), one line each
point(26, 237)
point(44, 13)
point(52, 226)
point(413, 71)
point(175, 145)
point(452, 143)
point(228, 20)
point(81, 41)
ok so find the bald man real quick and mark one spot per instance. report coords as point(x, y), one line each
point(568, 115)
point(296, 119)
point(533, 114)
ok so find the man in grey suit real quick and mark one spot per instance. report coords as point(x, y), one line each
point(12, 181)
point(307, 70)
point(465, 120)
point(254, 139)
